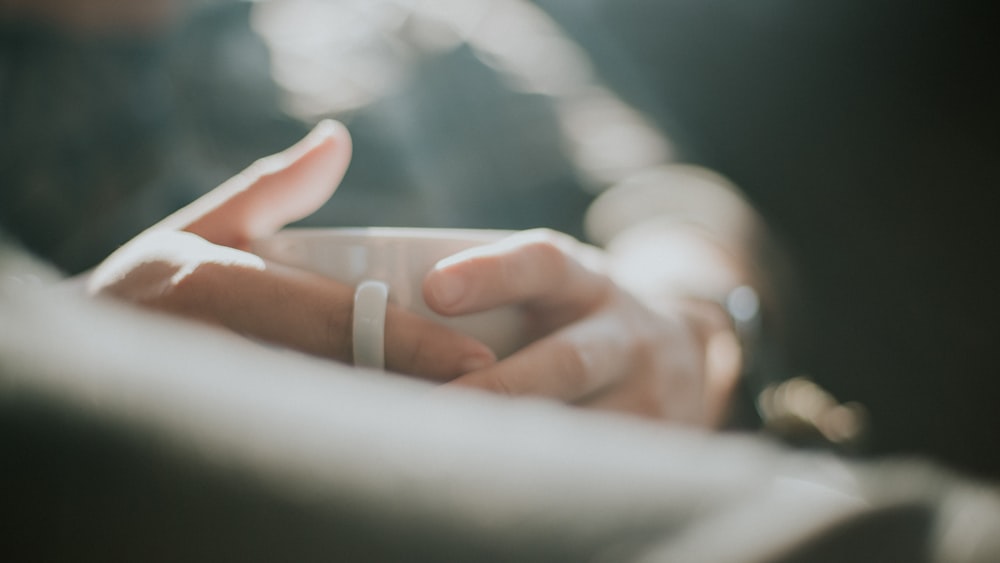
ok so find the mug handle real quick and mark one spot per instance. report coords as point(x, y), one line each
point(368, 331)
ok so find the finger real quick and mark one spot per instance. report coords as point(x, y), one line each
point(272, 192)
point(310, 313)
point(648, 396)
point(669, 380)
point(417, 346)
point(629, 399)
point(571, 364)
point(539, 268)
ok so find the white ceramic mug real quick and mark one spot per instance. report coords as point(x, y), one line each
point(388, 264)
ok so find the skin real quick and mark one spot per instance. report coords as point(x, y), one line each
point(596, 343)
point(194, 263)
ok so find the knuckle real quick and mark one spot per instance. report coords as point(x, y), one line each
point(571, 365)
point(188, 287)
point(549, 239)
point(654, 407)
point(541, 233)
point(418, 355)
point(497, 383)
point(644, 347)
point(549, 253)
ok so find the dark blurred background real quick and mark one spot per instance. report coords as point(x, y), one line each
point(864, 132)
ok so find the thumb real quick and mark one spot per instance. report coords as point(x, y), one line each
point(272, 192)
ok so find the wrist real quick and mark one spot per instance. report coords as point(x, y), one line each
point(678, 200)
point(660, 259)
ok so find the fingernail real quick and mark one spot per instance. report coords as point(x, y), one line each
point(317, 135)
point(448, 289)
point(326, 128)
point(475, 363)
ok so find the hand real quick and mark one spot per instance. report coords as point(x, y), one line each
point(597, 344)
point(194, 263)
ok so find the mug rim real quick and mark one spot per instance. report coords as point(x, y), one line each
point(398, 257)
point(410, 233)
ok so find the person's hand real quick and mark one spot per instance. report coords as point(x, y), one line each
point(597, 344)
point(194, 263)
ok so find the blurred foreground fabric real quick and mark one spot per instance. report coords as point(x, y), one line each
point(132, 436)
